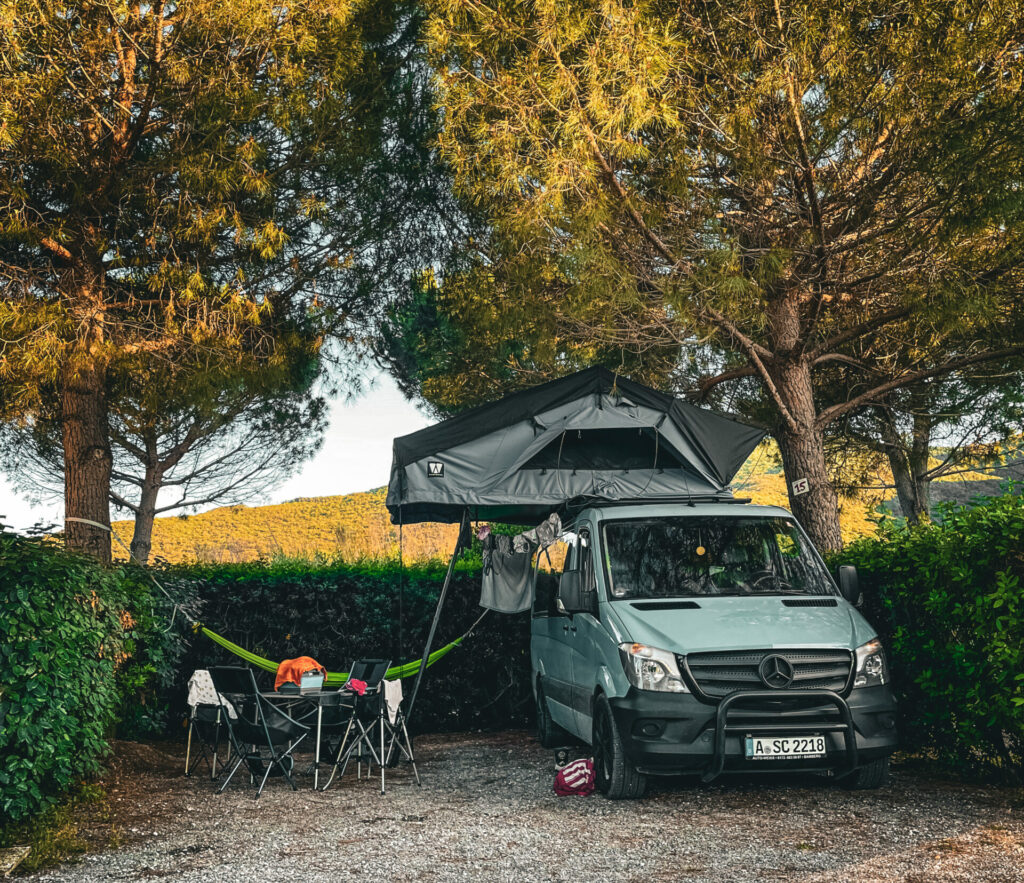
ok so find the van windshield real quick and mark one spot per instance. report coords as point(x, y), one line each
point(725, 555)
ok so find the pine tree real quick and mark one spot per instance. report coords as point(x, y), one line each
point(768, 187)
point(177, 180)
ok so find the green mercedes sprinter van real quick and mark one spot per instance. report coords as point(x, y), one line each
point(707, 638)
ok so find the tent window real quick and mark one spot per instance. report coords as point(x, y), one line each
point(605, 449)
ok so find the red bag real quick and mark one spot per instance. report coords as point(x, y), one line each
point(576, 778)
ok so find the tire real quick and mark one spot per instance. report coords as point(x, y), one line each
point(868, 777)
point(549, 734)
point(616, 778)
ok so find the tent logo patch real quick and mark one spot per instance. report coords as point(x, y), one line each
point(435, 468)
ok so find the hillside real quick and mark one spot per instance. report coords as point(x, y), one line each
point(357, 525)
point(353, 526)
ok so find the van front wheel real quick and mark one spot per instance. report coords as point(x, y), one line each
point(868, 777)
point(615, 776)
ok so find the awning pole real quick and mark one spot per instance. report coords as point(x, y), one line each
point(437, 613)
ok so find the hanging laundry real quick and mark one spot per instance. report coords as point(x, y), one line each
point(543, 535)
point(508, 576)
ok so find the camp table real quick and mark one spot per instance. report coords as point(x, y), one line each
point(315, 697)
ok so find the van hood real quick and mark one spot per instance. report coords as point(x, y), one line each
point(747, 623)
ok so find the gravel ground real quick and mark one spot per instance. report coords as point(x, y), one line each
point(486, 811)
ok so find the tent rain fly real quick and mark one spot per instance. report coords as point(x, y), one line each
point(589, 435)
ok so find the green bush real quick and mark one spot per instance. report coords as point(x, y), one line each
point(947, 599)
point(64, 630)
point(158, 639)
point(336, 612)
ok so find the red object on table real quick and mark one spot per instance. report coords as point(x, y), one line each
point(292, 670)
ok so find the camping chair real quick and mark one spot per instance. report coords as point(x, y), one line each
point(396, 733)
point(359, 717)
point(204, 723)
point(259, 727)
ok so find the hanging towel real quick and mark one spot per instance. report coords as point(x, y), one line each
point(201, 692)
point(508, 576)
point(392, 698)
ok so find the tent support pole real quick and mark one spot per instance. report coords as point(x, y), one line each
point(437, 614)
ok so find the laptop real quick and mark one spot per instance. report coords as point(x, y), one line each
point(312, 681)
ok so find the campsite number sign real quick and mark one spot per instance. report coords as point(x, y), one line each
point(801, 486)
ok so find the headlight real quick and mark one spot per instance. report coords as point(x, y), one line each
point(651, 669)
point(872, 669)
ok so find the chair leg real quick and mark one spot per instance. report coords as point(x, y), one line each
point(238, 763)
point(380, 723)
point(400, 739)
point(266, 774)
point(216, 746)
point(337, 756)
point(408, 749)
point(188, 749)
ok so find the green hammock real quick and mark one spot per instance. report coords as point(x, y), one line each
point(334, 678)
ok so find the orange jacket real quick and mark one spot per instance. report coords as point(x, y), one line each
point(293, 670)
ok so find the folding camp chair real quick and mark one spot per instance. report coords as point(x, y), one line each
point(263, 736)
point(396, 733)
point(358, 719)
point(204, 724)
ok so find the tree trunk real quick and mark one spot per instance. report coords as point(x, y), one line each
point(909, 467)
point(87, 457)
point(920, 451)
point(910, 502)
point(142, 538)
point(803, 458)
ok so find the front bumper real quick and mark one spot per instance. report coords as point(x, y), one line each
point(669, 734)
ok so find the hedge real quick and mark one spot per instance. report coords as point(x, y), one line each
point(336, 612)
point(947, 600)
point(64, 630)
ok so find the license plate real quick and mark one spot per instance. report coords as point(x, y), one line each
point(784, 747)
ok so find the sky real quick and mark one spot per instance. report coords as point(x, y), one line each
point(356, 455)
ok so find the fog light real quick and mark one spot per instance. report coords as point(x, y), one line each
point(649, 729)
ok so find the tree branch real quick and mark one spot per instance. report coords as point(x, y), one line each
point(830, 414)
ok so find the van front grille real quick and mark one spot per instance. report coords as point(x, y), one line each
point(719, 674)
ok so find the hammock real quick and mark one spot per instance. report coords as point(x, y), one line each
point(335, 679)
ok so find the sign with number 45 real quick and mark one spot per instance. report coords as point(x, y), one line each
point(801, 486)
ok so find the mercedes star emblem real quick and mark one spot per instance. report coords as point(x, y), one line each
point(776, 672)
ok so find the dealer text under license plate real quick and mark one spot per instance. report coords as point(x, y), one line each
point(784, 748)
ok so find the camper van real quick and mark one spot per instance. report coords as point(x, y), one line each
point(707, 638)
point(690, 632)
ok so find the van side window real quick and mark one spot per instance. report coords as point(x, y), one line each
point(585, 558)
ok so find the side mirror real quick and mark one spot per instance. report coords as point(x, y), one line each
point(849, 584)
point(574, 596)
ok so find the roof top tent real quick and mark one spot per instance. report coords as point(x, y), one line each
point(592, 436)
point(589, 435)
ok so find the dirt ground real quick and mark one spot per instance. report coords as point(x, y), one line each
point(486, 811)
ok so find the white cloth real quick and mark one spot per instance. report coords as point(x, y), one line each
point(202, 692)
point(393, 698)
